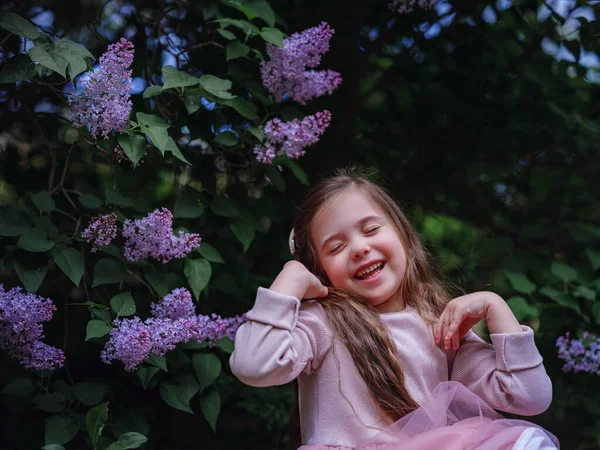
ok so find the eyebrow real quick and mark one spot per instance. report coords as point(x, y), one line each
point(361, 222)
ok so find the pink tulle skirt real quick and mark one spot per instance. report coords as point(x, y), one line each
point(453, 418)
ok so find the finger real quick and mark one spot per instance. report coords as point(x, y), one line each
point(324, 291)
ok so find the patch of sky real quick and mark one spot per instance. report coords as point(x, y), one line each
point(408, 42)
point(168, 59)
point(43, 19)
point(433, 31)
point(209, 106)
point(127, 10)
point(185, 129)
point(3, 96)
point(373, 34)
point(423, 27)
point(489, 15)
point(503, 5)
point(589, 59)
point(447, 20)
point(470, 21)
point(564, 54)
point(442, 8)
point(130, 32)
point(45, 107)
point(500, 188)
point(139, 84)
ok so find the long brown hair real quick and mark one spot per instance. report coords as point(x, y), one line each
point(346, 313)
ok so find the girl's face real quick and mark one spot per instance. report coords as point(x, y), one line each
point(360, 250)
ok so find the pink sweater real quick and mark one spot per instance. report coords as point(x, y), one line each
point(285, 339)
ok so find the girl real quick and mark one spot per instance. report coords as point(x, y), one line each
point(382, 357)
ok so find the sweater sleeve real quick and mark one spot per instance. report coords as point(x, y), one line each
point(508, 375)
point(280, 340)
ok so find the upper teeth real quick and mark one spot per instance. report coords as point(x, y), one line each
point(371, 268)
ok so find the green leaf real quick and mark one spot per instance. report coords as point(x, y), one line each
point(158, 136)
point(146, 374)
point(157, 280)
point(258, 133)
point(564, 272)
point(73, 48)
point(178, 395)
point(235, 49)
point(13, 222)
point(521, 309)
point(222, 206)
point(107, 271)
point(94, 421)
point(216, 86)
point(210, 404)
point(226, 34)
point(134, 146)
point(35, 240)
point(172, 147)
point(596, 312)
point(273, 36)
point(44, 223)
point(158, 361)
point(174, 78)
point(150, 120)
point(248, 12)
point(244, 25)
point(187, 206)
point(89, 393)
point(191, 101)
point(245, 232)
point(207, 367)
point(276, 178)
point(96, 329)
point(70, 261)
point(128, 440)
point(61, 428)
point(90, 201)
point(244, 107)
point(197, 272)
point(19, 387)
point(114, 197)
point(123, 304)
point(43, 201)
point(18, 68)
point(585, 292)
point(53, 402)
point(520, 282)
point(31, 277)
point(15, 24)
point(38, 54)
point(53, 447)
point(263, 10)
point(226, 345)
point(594, 257)
point(226, 138)
point(152, 91)
point(210, 253)
point(298, 172)
point(561, 298)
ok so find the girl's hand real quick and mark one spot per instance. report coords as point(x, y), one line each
point(462, 313)
point(296, 280)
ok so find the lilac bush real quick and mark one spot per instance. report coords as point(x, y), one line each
point(285, 72)
point(101, 231)
point(152, 237)
point(580, 355)
point(21, 315)
point(105, 102)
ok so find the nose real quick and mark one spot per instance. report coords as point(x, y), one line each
point(359, 249)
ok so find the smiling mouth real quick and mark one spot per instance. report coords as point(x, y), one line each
point(372, 271)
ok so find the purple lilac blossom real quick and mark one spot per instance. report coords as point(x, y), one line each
point(290, 138)
point(105, 101)
point(285, 72)
point(408, 6)
point(21, 315)
point(580, 355)
point(152, 237)
point(173, 322)
point(101, 231)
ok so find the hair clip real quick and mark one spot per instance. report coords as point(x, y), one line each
point(292, 243)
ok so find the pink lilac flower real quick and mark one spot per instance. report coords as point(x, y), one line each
point(285, 72)
point(21, 315)
point(101, 231)
point(407, 6)
point(105, 101)
point(152, 237)
point(176, 305)
point(291, 138)
point(580, 355)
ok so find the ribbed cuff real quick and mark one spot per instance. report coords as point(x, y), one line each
point(516, 351)
point(277, 310)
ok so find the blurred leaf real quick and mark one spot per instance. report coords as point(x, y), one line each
point(235, 49)
point(521, 309)
point(53, 447)
point(20, 387)
point(216, 86)
point(298, 171)
point(263, 10)
point(174, 149)
point(174, 78)
point(222, 206)
point(594, 257)
point(35, 240)
point(210, 253)
point(127, 441)
point(107, 271)
point(94, 421)
point(520, 282)
point(146, 374)
point(226, 138)
point(564, 272)
point(276, 178)
point(70, 261)
point(258, 133)
point(31, 276)
point(273, 36)
point(245, 232)
point(18, 68)
point(15, 24)
point(187, 206)
point(90, 201)
point(226, 34)
point(197, 272)
point(122, 304)
point(89, 393)
point(585, 292)
point(13, 222)
point(179, 394)
point(134, 146)
point(207, 367)
point(158, 361)
point(53, 402)
point(157, 280)
point(43, 201)
point(61, 428)
point(152, 91)
point(210, 404)
point(226, 345)
point(245, 108)
point(96, 329)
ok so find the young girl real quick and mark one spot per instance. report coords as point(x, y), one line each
point(383, 358)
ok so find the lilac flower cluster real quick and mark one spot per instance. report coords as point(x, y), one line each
point(580, 355)
point(173, 321)
point(105, 101)
point(408, 6)
point(101, 231)
point(21, 315)
point(290, 138)
point(152, 236)
point(285, 72)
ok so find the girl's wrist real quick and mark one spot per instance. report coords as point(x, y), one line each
point(290, 281)
point(499, 317)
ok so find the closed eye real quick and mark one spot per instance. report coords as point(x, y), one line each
point(372, 230)
point(335, 248)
